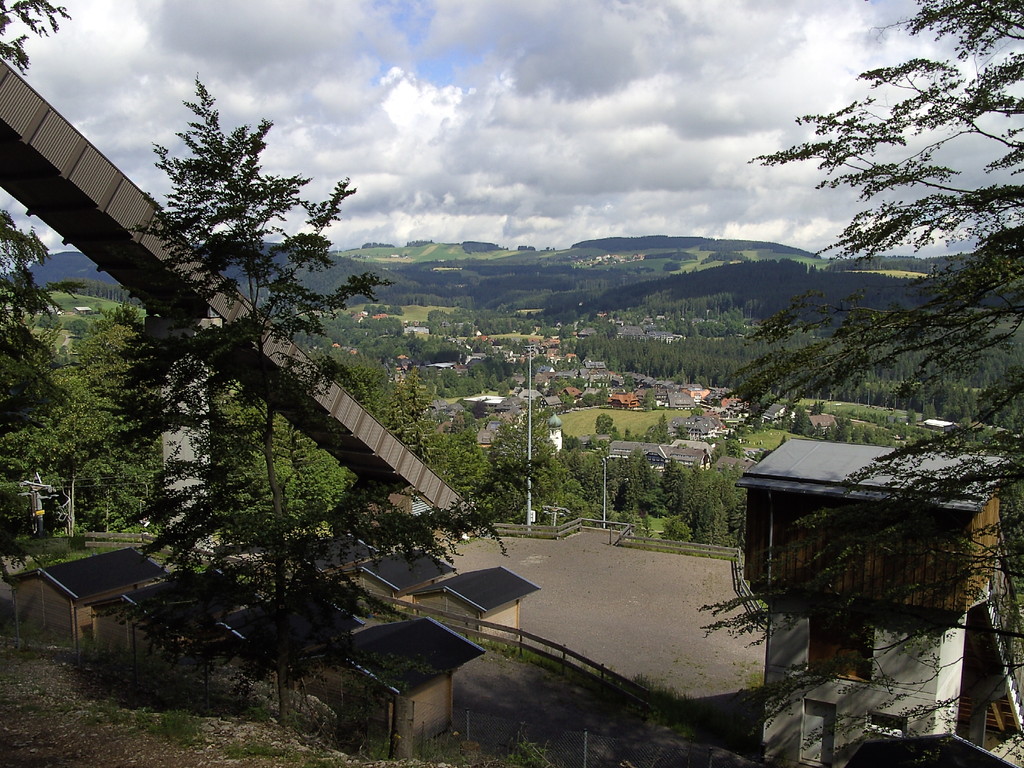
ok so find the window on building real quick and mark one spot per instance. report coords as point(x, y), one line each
point(843, 646)
point(886, 724)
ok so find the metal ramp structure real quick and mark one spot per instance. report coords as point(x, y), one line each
point(63, 180)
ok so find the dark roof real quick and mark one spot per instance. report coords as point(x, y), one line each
point(732, 462)
point(253, 625)
point(487, 589)
point(424, 649)
point(816, 461)
point(142, 594)
point(184, 596)
point(401, 574)
point(823, 468)
point(97, 574)
point(344, 552)
point(940, 750)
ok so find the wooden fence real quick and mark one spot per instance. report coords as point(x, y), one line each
point(619, 535)
point(100, 540)
point(635, 694)
point(681, 547)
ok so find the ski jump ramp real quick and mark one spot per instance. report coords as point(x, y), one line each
point(63, 180)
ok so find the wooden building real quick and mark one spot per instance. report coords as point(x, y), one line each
point(395, 576)
point(913, 653)
point(422, 656)
point(111, 628)
point(57, 599)
point(492, 594)
point(411, 665)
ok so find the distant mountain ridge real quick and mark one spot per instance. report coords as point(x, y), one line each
point(661, 274)
point(72, 265)
point(69, 265)
point(665, 242)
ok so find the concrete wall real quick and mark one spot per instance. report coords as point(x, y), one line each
point(921, 673)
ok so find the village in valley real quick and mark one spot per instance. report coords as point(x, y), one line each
point(648, 499)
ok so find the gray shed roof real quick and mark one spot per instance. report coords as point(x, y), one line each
point(401, 574)
point(824, 468)
point(99, 574)
point(486, 589)
point(422, 648)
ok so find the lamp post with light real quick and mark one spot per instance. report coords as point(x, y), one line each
point(529, 435)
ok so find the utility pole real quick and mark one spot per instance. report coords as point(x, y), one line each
point(34, 491)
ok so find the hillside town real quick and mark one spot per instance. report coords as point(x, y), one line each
point(748, 492)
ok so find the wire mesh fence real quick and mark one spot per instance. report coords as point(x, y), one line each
point(429, 729)
point(535, 746)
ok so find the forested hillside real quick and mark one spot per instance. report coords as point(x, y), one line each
point(665, 242)
point(757, 279)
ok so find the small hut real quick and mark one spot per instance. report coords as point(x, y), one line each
point(57, 598)
point(416, 660)
point(492, 594)
point(395, 576)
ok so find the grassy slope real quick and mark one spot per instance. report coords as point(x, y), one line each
point(411, 313)
point(576, 423)
point(424, 253)
point(68, 301)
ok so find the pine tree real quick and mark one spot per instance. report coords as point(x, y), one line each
point(256, 502)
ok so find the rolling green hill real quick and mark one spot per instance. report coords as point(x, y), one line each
point(694, 277)
point(685, 254)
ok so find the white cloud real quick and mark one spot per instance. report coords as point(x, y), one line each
point(507, 120)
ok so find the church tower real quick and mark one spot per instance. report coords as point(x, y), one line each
point(555, 432)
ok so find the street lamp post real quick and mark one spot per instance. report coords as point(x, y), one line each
point(604, 498)
point(529, 435)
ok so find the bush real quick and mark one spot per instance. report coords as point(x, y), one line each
point(676, 529)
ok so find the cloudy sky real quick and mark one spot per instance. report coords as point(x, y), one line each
point(520, 122)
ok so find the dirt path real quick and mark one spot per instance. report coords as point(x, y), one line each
point(53, 716)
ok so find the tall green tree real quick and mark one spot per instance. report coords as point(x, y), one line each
point(24, 359)
point(83, 440)
point(503, 493)
point(247, 502)
point(26, 383)
point(22, 376)
point(935, 152)
point(406, 413)
point(21, 18)
point(457, 458)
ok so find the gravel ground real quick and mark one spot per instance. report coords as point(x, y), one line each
point(636, 612)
